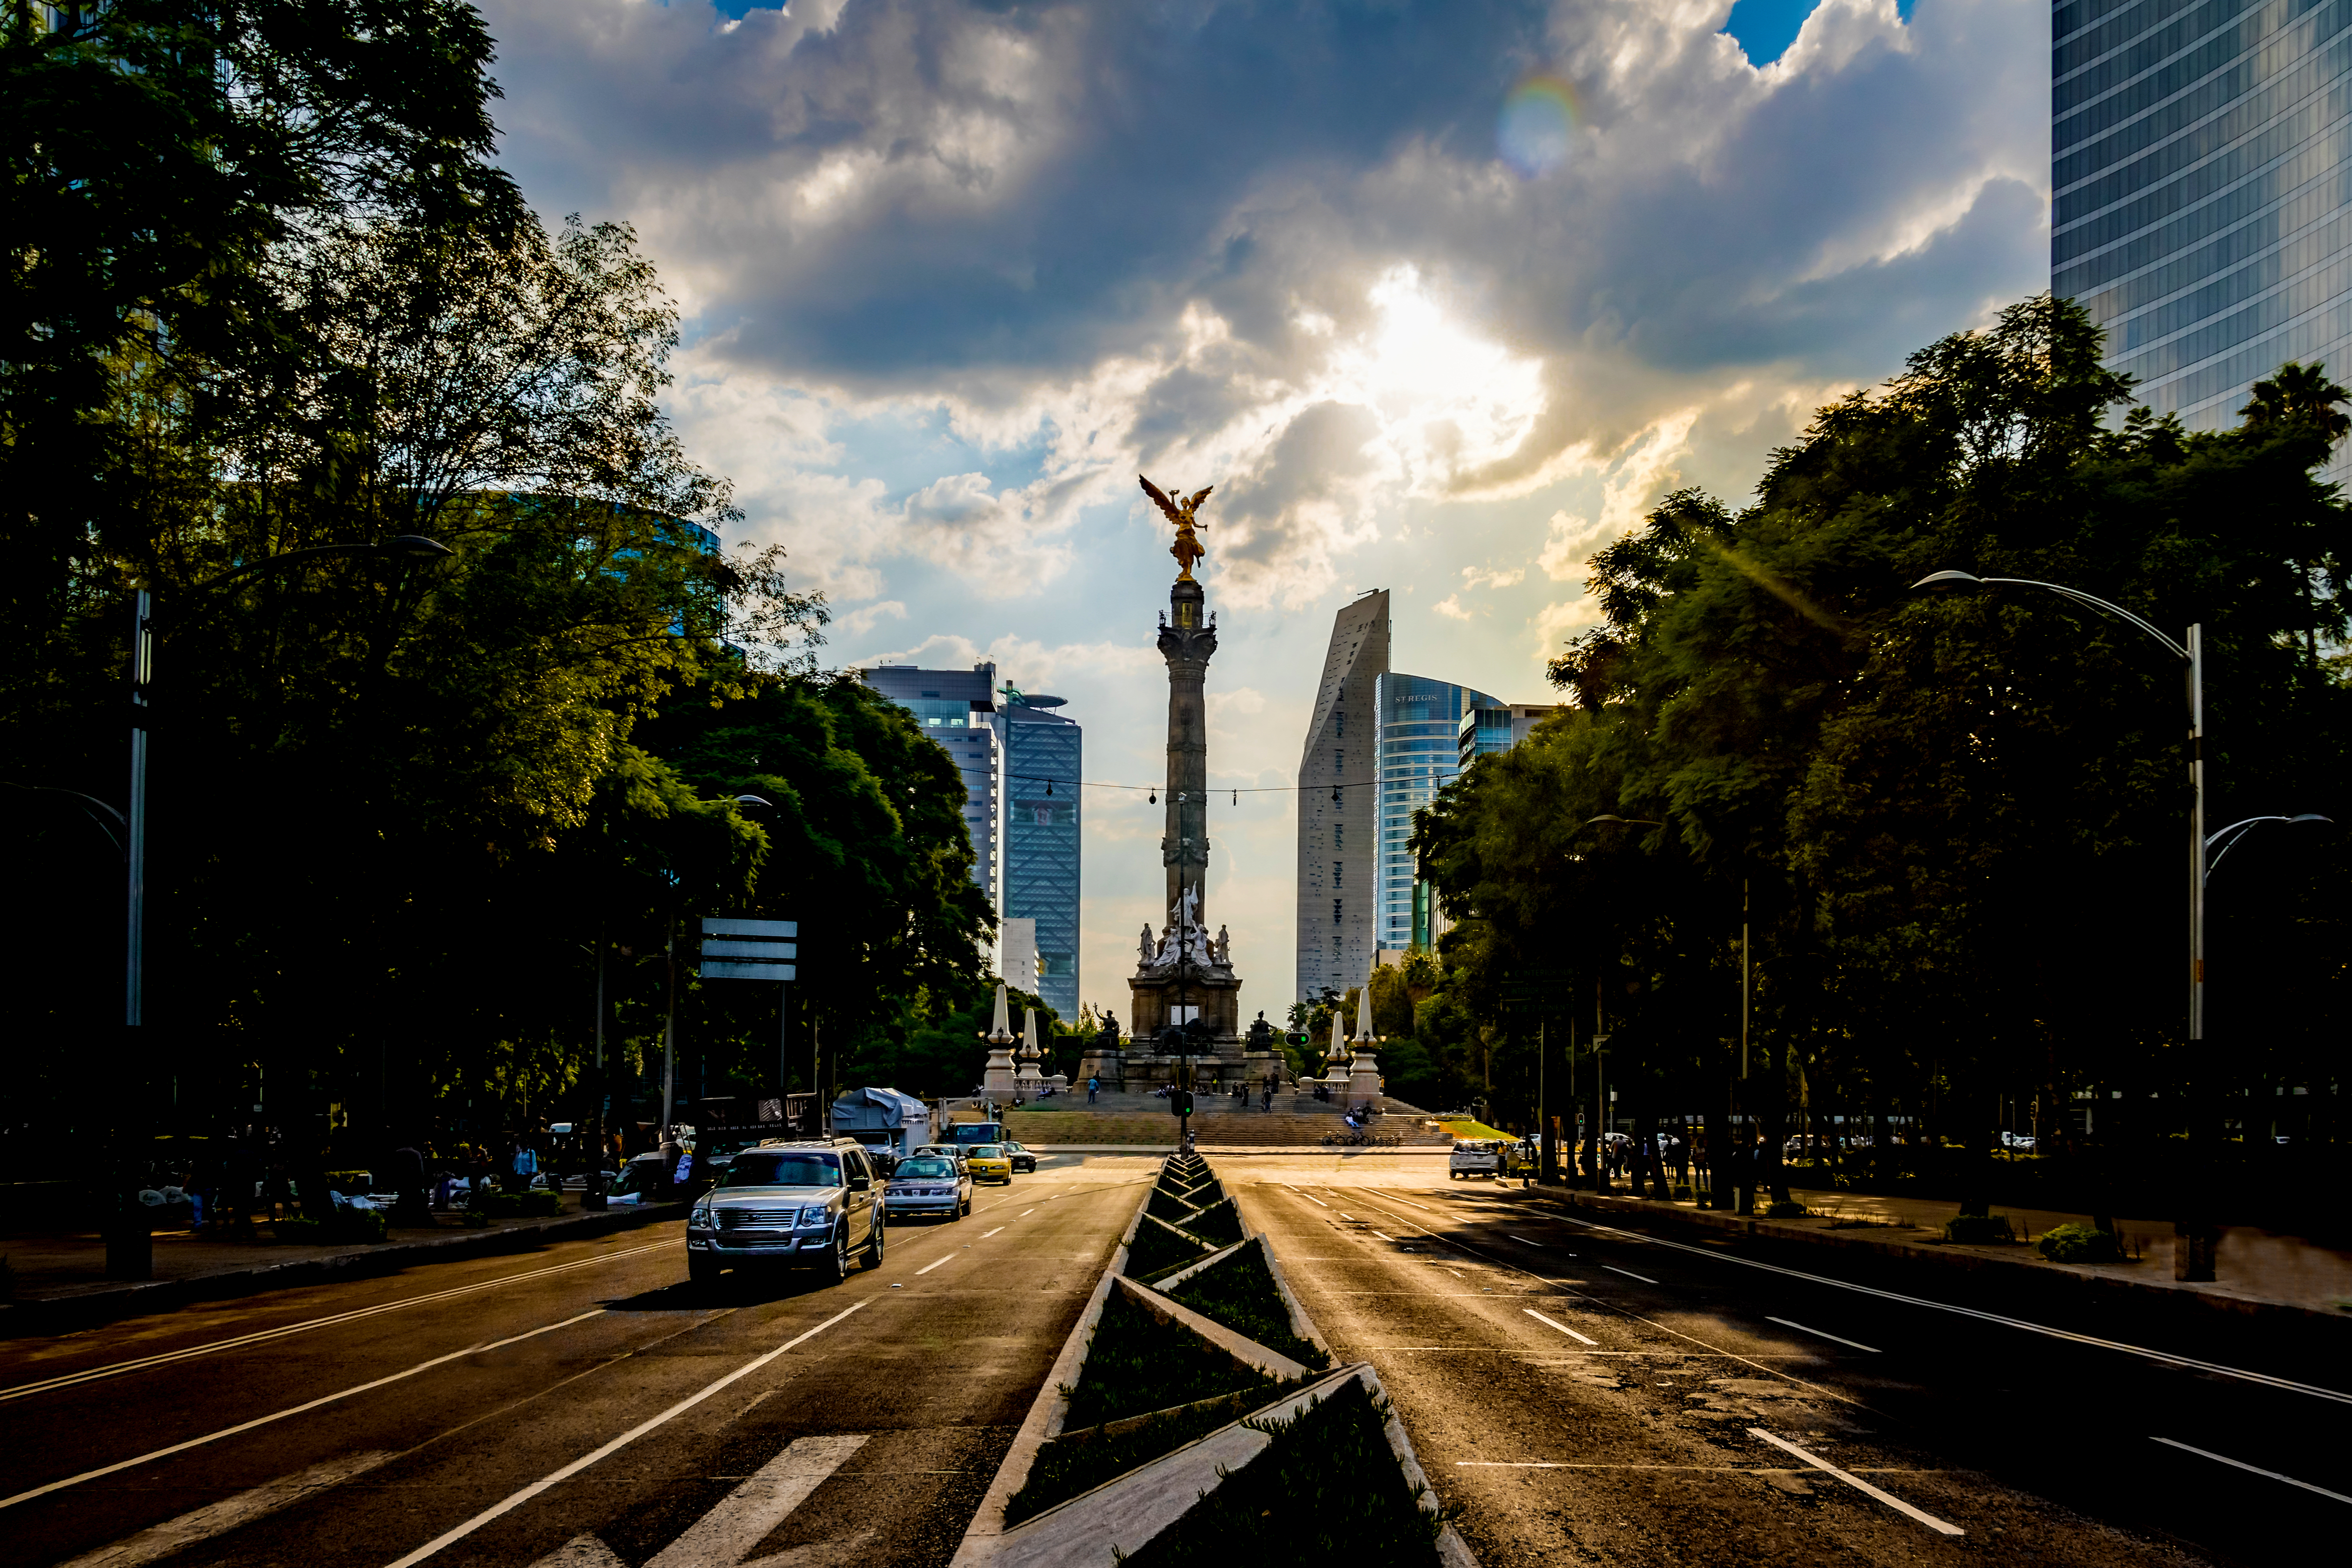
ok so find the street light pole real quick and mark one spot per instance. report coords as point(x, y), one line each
point(130, 1247)
point(2193, 1252)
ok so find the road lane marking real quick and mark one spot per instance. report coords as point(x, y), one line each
point(928, 1267)
point(2167, 1357)
point(564, 1472)
point(1554, 1322)
point(1817, 1333)
point(219, 1518)
point(2253, 1470)
point(117, 1369)
point(1383, 1236)
point(1629, 1273)
point(986, 1234)
point(1523, 1240)
point(1826, 1393)
point(1346, 1215)
point(1025, 1214)
point(1705, 1470)
point(293, 1410)
point(728, 1532)
point(1855, 1481)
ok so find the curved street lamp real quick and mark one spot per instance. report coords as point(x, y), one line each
point(2241, 828)
point(2191, 657)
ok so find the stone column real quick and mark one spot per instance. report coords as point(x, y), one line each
point(1187, 641)
point(997, 1081)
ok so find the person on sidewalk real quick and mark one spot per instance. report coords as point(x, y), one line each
point(1093, 1087)
point(524, 1165)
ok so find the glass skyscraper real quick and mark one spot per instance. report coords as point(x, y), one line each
point(958, 709)
point(2199, 176)
point(1418, 750)
point(1043, 752)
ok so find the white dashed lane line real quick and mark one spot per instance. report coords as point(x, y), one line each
point(2166, 1358)
point(986, 1234)
point(1840, 1339)
point(1552, 1323)
point(928, 1267)
point(117, 1368)
point(2252, 1470)
point(1629, 1273)
point(1864, 1486)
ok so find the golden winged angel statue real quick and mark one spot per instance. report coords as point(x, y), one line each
point(1187, 548)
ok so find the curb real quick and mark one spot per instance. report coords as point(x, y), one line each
point(2039, 1274)
point(63, 1314)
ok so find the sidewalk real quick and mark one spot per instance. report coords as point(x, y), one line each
point(61, 1282)
point(2256, 1268)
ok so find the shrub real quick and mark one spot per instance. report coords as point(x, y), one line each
point(1786, 1211)
point(517, 1204)
point(2077, 1244)
point(1978, 1227)
point(1081, 1461)
point(349, 1181)
point(1165, 1204)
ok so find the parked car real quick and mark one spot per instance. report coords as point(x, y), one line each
point(929, 1184)
point(808, 1204)
point(989, 1161)
point(1474, 1158)
point(1022, 1160)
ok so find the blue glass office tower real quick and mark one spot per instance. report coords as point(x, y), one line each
point(1043, 752)
point(1418, 750)
point(2200, 165)
point(958, 709)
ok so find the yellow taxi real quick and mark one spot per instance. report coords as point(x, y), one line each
point(989, 1161)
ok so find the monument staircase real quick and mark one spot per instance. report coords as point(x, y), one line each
point(1297, 1121)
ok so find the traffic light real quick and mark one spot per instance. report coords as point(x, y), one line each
point(1180, 1101)
point(1299, 1037)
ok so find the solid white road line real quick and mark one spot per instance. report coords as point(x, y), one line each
point(218, 1518)
point(116, 1369)
point(928, 1267)
point(1855, 1481)
point(2166, 1358)
point(986, 1234)
point(293, 1410)
point(726, 1534)
point(2253, 1470)
point(515, 1500)
point(1562, 1327)
point(1841, 1339)
point(1629, 1273)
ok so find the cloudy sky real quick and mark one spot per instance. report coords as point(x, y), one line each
point(1440, 296)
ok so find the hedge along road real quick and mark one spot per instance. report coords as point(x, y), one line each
point(1591, 1393)
point(462, 1416)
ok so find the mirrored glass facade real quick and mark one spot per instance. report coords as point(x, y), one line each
point(958, 709)
point(2199, 183)
point(1042, 755)
point(1419, 750)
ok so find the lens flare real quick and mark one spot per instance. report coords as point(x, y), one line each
point(1537, 126)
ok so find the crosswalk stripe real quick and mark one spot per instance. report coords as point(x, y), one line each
point(218, 1519)
point(725, 1536)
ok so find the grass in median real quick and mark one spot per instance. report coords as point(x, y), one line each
point(1136, 1364)
point(1240, 1293)
point(1156, 1251)
point(1327, 1490)
point(1218, 1224)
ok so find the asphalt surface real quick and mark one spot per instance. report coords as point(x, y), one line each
point(1586, 1394)
point(578, 1406)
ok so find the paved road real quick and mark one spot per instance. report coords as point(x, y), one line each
point(1589, 1396)
point(577, 1407)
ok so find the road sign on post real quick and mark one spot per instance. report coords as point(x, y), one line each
point(751, 949)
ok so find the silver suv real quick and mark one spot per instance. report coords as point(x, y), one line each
point(811, 1203)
